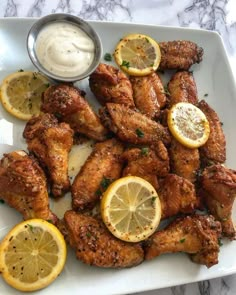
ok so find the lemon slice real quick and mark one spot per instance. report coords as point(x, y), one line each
point(21, 93)
point(131, 209)
point(188, 124)
point(138, 54)
point(32, 255)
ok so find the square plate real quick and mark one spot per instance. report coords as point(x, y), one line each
point(213, 76)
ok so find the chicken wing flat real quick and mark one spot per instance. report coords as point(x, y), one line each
point(131, 126)
point(214, 150)
point(182, 88)
point(177, 195)
point(95, 245)
point(184, 162)
point(179, 55)
point(197, 235)
point(149, 94)
point(102, 167)
point(67, 103)
point(219, 185)
point(109, 84)
point(147, 162)
point(51, 143)
point(23, 186)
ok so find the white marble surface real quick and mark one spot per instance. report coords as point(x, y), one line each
point(218, 15)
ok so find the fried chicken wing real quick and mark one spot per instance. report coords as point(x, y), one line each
point(177, 195)
point(23, 186)
point(132, 126)
point(51, 143)
point(67, 103)
point(102, 167)
point(197, 235)
point(149, 94)
point(184, 162)
point(109, 84)
point(214, 150)
point(179, 55)
point(95, 245)
point(219, 185)
point(182, 88)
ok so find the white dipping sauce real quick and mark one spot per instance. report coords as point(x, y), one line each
point(64, 49)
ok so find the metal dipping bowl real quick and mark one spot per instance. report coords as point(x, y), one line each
point(62, 17)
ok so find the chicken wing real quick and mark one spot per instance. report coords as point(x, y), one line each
point(197, 235)
point(214, 150)
point(68, 105)
point(149, 94)
point(95, 245)
point(101, 168)
point(177, 195)
point(219, 185)
point(132, 126)
point(182, 88)
point(51, 143)
point(23, 186)
point(179, 55)
point(109, 84)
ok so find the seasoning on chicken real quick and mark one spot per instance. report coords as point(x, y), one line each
point(67, 103)
point(95, 245)
point(23, 186)
point(51, 143)
point(132, 126)
point(101, 168)
point(179, 55)
point(109, 84)
point(214, 150)
point(149, 94)
point(197, 235)
point(219, 191)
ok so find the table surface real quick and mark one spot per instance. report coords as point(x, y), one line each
point(216, 15)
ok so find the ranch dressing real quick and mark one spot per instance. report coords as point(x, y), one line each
point(64, 49)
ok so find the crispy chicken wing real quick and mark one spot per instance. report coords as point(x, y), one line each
point(23, 186)
point(197, 235)
point(102, 167)
point(149, 94)
point(109, 84)
point(177, 195)
point(219, 185)
point(95, 245)
point(67, 103)
point(214, 150)
point(132, 126)
point(179, 55)
point(182, 88)
point(51, 143)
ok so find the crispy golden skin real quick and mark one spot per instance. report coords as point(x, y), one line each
point(147, 162)
point(149, 94)
point(51, 143)
point(219, 185)
point(197, 235)
point(214, 150)
point(182, 88)
point(23, 186)
point(67, 103)
point(109, 84)
point(177, 195)
point(95, 245)
point(179, 55)
point(131, 126)
point(184, 162)
point(102, 167)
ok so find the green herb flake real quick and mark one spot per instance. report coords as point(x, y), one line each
point(20, 70)
point(50, 221)
point(30, 226)
point(107, 57)
point(105, 183)
point(182, 240)
point(88, 234)
point(2, 201)
point(139, 133)
point(166, 91)
point(98, 192)
point(206, 94)
point(34, 76)
point(144, 151)
point(221, 123)
point(47, 85)
point(153, 199)
point(147, 40)
point(125, 64)
point(220, 242)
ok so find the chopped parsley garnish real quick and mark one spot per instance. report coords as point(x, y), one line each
point(206, 94)
point(221, 123)
point(144, 151)
point(147, 40)
point(49, 220)
point(153, 199)
point(88, 234)
point(108, 57)
point(2, 201)
point(30, 226)
point(125, 64)
point(21, 70)
point(166, 91)
point(105, 183)
point(47, 85)
point(220, 242)
point(139, 132)
point(34, 76)
point(182, 240)
point(98, 192)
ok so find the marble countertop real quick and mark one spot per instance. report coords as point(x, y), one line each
point(216, 15)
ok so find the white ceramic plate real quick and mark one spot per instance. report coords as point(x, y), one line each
point(213, 76)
